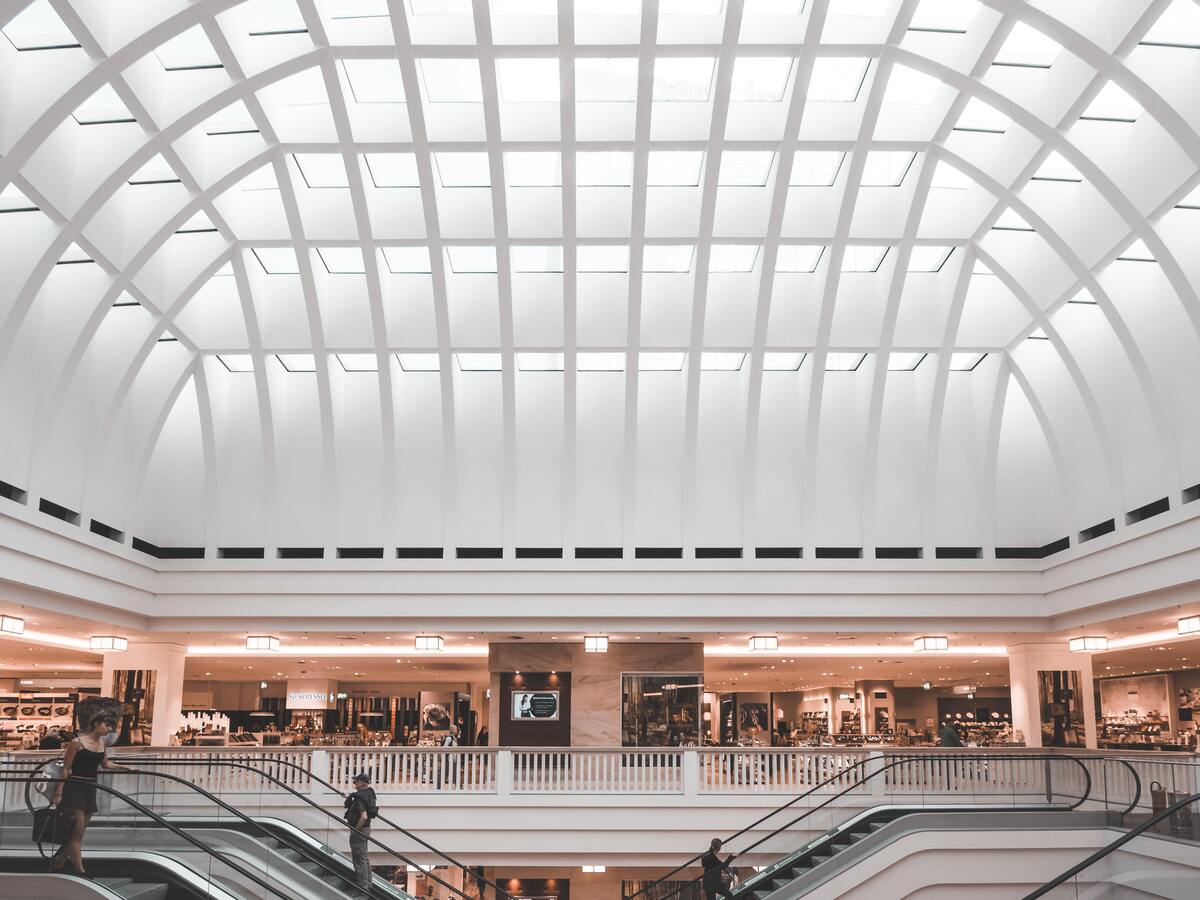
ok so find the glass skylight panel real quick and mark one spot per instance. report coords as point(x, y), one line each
point(760, 79)
point(393, 170)
point(674, 168)
point(1038, 334)
point(600, 361)
point(732, 257)
point(1137, 252)
point(359, 362)
point(322, 170)
point(798, 258)
point(74, 254)
point(407, 260)
point(156, 171)
point(451, 80)
point(1112, 104)
point(1010, 220)
point(479, 362)
point(12, 200)
point(668, 258)
point(684, 79)
point(947, 177)
point(773, 7)
point(472, 260)
point(965, 362)
point(1085, 298)
point(457, 170)
point(981, 268)
point(869, 8)
point(905, 362)
point(690, 7)
point(944, 15)
point(1028, 47)
point(271, 17)
point(536, 259)
point(39, 27)
point(721, 361)
point(418, 362)
point(189, 50)
point(236, 362)
point(837, 79)
point(909, 86)
point(1056, 168)
point(528, 80)
point(233, 119)
point(440, 7)
point(655, 361)
point(521, 7)
point(605, 80)
point(1178, 26)
point(608, 7)
point(102, 108)
point(278, 260)
point(602, 258)
point(928, 259)
point(978, 116)
point(886, 168)
point(297, 362)
point(357, 9)
point(374, 80)
point(305, 88)
point(782, 361)
point(816, 168)
point(844, 362)
point(533, 168)
point(342, 260)
point(540, 362)
point(745, 168)
point(604, 168)
point(860, 258)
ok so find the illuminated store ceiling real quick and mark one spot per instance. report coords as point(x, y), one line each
point(536, 274)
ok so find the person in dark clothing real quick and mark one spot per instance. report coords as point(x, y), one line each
point(949, 736)
point(482, 740)
point(361, 808)
point(51, 740)
point(716, 872)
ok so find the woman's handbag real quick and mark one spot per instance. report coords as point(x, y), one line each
point(52, 825)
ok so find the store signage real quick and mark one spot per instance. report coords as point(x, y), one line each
point(535, 706)
point(310, 694)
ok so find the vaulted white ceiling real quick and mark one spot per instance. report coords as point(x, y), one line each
point(603, 274)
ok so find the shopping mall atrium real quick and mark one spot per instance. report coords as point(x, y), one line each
point(599, 427)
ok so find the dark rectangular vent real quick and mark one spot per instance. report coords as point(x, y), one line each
point(58, 512)
point(301, 553)
point(419, 553)
point(360, 553)
point(145, 547)
point(1190, 495)
point(599, 552)
point(1055, 547)
point(958, 552)
point(838, 553)
point(181, 553)
point(107, 531)
point(718, 553)
point(1018, 553)
point(899, 552)
point(778, 553)
point(658, 553)
point(480, 552)
point(1145, 512)
point(12, 492)
point(1108, 526)
point(242, 552)
point(539, 553)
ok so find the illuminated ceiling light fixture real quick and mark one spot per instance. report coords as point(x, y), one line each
point(262, 642)
point(764, 642)
point(595, 643)
point(845, 695)
point(14, 625)
point(432, 642)
point(931, 643)
point(1087, 644)
point(105, 642)
point(1186, 625)
point(594, 869)
point(925, 686)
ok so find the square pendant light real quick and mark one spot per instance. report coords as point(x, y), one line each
point(595, 643)
point(1189, 625)
point(1087, 644)
point(593, 869)
point(262, 642)
point(933, 642)
point(845, 695)
point(431, 642)
point(12, 625)
point(104, 642)
point(764, 642)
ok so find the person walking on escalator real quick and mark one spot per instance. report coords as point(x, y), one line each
point(716, 872)
point(361, 807)
point(75, 795)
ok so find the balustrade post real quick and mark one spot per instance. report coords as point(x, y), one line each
point(318, 765)
point(876, 786)
point(691, 772)
point(504, 773)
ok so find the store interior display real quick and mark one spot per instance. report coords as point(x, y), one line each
point(662, 710)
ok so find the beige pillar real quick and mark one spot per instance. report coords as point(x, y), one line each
point(166, 660)
point(1025, 661)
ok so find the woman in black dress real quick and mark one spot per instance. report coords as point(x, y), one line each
point(76, 795)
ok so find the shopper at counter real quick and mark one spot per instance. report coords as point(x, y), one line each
point(949, 736)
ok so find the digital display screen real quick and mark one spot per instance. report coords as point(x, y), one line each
point(539, 706)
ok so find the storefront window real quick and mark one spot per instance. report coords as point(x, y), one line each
point(660, 710)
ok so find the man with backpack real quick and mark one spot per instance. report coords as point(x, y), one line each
point(361, 808)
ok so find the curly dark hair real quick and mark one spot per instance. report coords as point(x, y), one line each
point(89, 709)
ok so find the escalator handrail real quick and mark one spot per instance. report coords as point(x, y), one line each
point(500, 892)
point(1115, 845)
point(878, 770)
point(196, 842)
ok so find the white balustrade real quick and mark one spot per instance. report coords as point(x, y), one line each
point(411, 769)
point(737, 770)
point(625, 771)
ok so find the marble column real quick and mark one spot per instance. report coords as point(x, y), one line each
point(1025, 662)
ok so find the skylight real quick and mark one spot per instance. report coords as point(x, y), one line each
point(451, 80)
point(674, 168)
point(528, 80)
point(944, 15)
point(600, 361)
point(760, 79)
point(1027, 47)
point(1112, 104)
point(844, 362)
point(471, 260)
point(732, 257)
point(859, 258)
point(540, 362)
point(668, 258)
point(684, 79)
point(39, 27)
point(407, 260)
point(297, 362)
point(1056, 168)
point(12, 200)
point(236, 362)
point(156, 171)
point(604, 80)
point(602, 258)
point(978, 116)
point(342, 260)
point(816, 168)
point(928, 259)
point(905, 362)
point(965, 362)
point(533, 168)
point(189, 50)
point(479, 362)
point(393, 170)
point(277, 260)
point(418, 362)
point(359, 362)
point(537, 259)
point(1010, 220)
point(837, 79)
point(652, 361)
point(1137, 252)
point(460, 170)
point(322, 170)
point(604, 168)
point(746, 168)
point(908, 86)
point(782, 361)
point(886, 168)
point(374, 80)
point(1178, 26)
point(721, 361)
point(801, 258)
point(104, 107)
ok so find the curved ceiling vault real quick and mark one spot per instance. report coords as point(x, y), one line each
point(357, 273)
